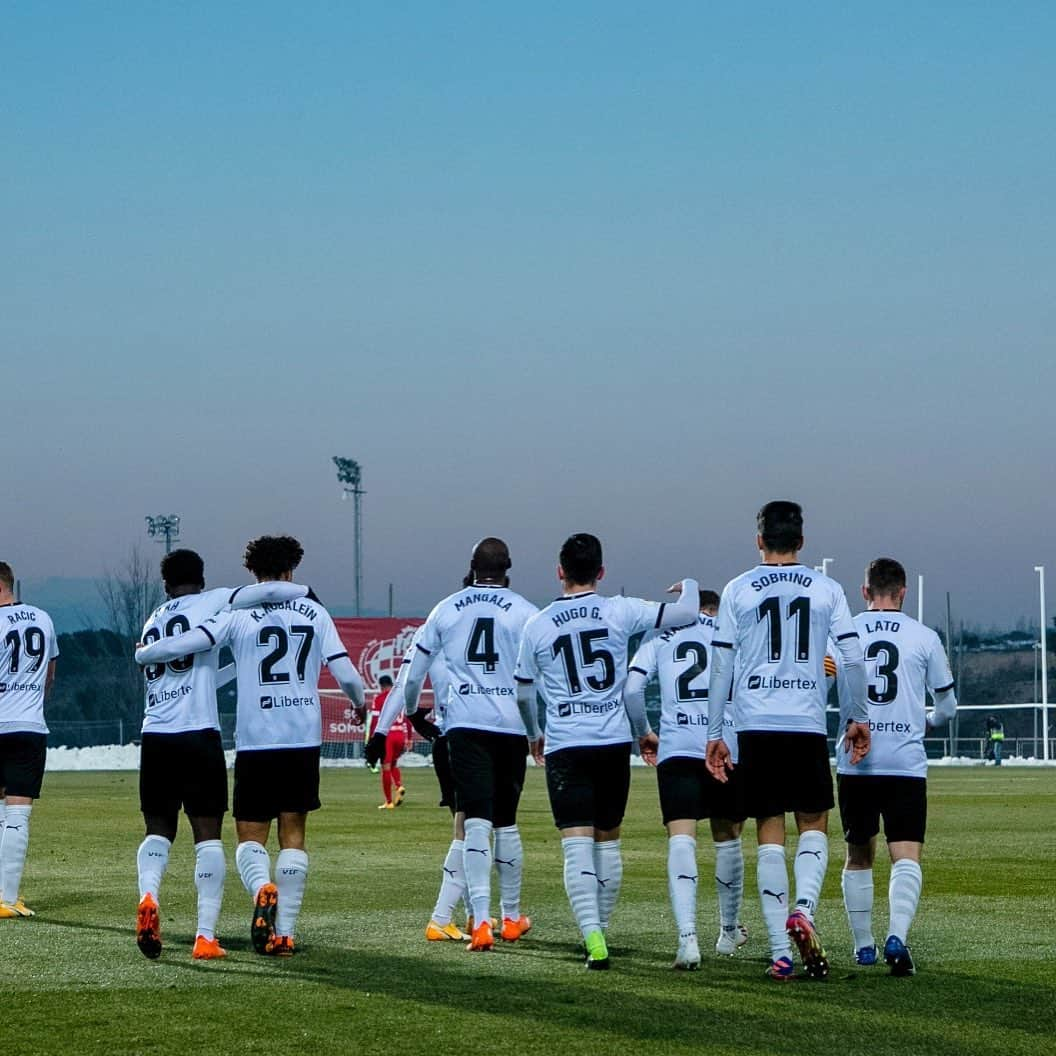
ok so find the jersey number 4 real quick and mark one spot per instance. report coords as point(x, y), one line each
point(798, 610)
point(480, 652)
point(31, 643)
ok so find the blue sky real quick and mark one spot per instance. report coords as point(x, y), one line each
point(624, 268)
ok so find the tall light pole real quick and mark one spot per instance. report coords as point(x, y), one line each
point(1040, 569)
point(350, 477)
point(920, 598)
point(165, 528)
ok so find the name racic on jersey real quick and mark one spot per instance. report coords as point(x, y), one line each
point(27, 646)
point(903, 661)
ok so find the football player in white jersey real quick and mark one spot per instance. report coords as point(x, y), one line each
point(477, 632)
point(679, 659)
point(576, 650)
point(771, 631)
point(182, 762)
point(904, 662)
point(28, 650)
point(279, 650)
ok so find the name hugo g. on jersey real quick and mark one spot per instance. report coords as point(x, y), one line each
point(779, 619)
point(27, 646)
point(679, 659)
point(279, 650)
point(476, 633)
point(903, 661)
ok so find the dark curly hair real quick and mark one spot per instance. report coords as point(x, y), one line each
point(272, 556)
point(182, 568)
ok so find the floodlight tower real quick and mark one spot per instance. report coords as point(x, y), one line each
point(350, 477)
point(165, 528)
point(823, 568)
point(1040, 569)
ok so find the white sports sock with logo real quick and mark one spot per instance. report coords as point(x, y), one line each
point(729, 882)
point(13, 846)
point(581, 882)
point(254, 866)
point(152, 859)
point(476, 858)
point(772, 877)
point(509, 861)
point(812, 861)
point(858, 901)
point(903, 894)
point(291, 876)
point(452, 885)
point(608, 864)
point(682, 876)
point(209, 869)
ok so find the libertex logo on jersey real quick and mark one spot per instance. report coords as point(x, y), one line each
point(268, 703)
point(682, 719)
point(772, 682)
point(467, 689)
point(566, 709)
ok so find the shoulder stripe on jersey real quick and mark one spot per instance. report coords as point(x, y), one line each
point(943, 689)
point(234, 594)
point(640, 670)
point(722, 645)
point(523, 681)
point(841, 637)
point(660, 616)
point(207, 634)
point(336, 656)
point(422, 649)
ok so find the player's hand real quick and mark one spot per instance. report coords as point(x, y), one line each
point(535, 750)
point(720, 765)
point(675, 588)
point(830, 667)
point(856, 740)
point(375, 749)
point(648, 745)
point(429, 730)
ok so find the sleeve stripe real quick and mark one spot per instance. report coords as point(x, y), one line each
point(640, 670)
point(234, 594)
point(207, 634)
point(944, 689)
point(660, 616)
point(849, 634)
point(523, 681)
point(722, 645)
point(422, 649)
point(336, 656)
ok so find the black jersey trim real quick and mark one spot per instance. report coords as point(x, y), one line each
point(575, 597)
point(660, 616)
point(207, 634)
point(336, 656)
point(523, 681)
point(422, 648)
point(842, 637)
point(234, 594)
point(944, 689)
point(722, 645)
point(640, 670)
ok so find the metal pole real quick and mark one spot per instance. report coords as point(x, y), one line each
point(390, 600)
point(1040, 569)
point(950, 654)
point(359, 552)
point(920, 599)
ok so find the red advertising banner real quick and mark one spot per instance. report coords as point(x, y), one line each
point(376, 647)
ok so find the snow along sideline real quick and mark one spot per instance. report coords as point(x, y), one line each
point(126, 757)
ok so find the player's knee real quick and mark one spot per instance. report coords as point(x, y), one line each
point(163, 825)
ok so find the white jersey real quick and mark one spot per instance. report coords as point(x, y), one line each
point(475, 633)
point(27, 646)
point(279, 651)
point(181, 694)
point(576, 648)
point(679, 659)
point(903, 660)
point(778, 619)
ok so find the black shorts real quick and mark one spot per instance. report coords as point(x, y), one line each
point(589, 786)
point(902, 802)
point(22, 758)
point(274, 781)
point(185, 770)
point(488, 770)
point(689, 792)
point(784, 773)
point(442, 766)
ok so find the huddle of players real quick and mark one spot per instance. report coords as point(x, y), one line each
point(742, 734)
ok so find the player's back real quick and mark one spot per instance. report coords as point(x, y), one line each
point(779, 618)
point(475, 634)
point(903, 660)
point(27, 645)
point(181, 694)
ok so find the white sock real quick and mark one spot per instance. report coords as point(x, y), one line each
point(291, 875)
point(452, 885)
point(210, 866)
point(476, 858)
point(772, 877)
point(903, 893)
point(729, 882)
point(682, 877)
point(13, 847)
point(254, 866)
point(509, 861)
point(152, 859)
point(812, 861)
point(581, 882)
point(608, 864)
point(858, 901)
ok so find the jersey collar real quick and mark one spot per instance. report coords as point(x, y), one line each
point(573, 597)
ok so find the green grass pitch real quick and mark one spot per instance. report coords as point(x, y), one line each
point(365, 981)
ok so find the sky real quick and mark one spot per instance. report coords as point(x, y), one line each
point(625, 268)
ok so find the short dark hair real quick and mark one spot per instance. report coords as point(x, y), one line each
point(272, 556)
point(491, 559)
point(709, 599)
point(780, 523)
point(182, 568)
point(385, 681)
point(7, 575)
point(580, 557)
point(884, 576)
